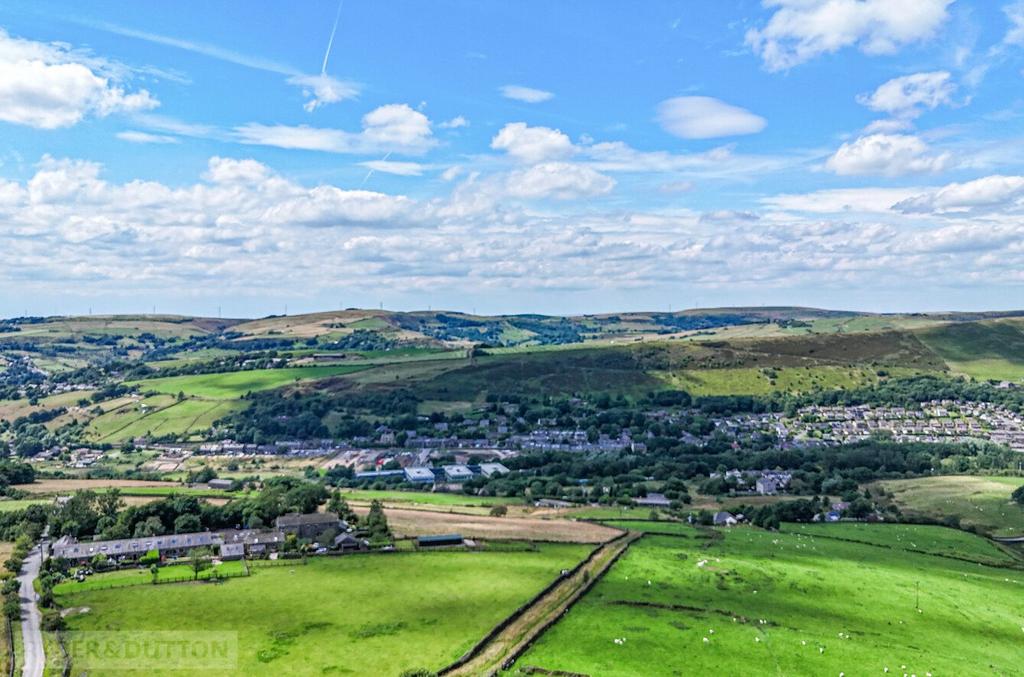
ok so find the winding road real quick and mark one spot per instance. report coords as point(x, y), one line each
point(33, 658)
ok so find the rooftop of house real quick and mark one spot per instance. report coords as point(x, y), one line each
point(132, 546)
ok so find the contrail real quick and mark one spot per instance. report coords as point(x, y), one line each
point(330, 43)
point(370, 173)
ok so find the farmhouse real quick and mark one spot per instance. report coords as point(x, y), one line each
point(255, 542)
point(230, 551)
point(724, 519)
point(349, 543)
point(220, 484)
point(173, 545)
point(309, 526)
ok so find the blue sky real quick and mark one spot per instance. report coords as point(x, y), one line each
point(561, 157)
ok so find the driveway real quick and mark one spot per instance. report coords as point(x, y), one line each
point(33, 659)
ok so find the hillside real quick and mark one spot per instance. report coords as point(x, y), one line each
point(188, 372)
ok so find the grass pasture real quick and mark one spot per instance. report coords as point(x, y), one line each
point(11, 505)
point(234, 384)
point(746, 602)
point(356, 615)
point(750, 381)
point(981, 502)
point(987, 350)
point(162, 418)
point(129, 577)
point(922, 538)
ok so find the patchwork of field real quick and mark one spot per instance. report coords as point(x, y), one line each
point(165, 326)
point(980, 502)
point(360, 615)
point(744, 601)
point(407, 522)
point(13, 409)
point(158, 416)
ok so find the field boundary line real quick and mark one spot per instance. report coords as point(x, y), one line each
point(1017, 566)
point(518, 643)
point(629, 538)
point(141, 418)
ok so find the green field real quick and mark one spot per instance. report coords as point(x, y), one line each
point(934, 540)
point(129, 577)
point(232, 385)
point(751, 381)
point(981, 502)
point(658, 527)
point(162, 415)
point(986, 350)
point(786, 604)
point(359, 615)
point(10, 505)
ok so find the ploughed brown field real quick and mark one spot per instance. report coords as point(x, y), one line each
point(49, 486)
point(424, 522)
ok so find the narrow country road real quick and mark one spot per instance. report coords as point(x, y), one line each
point(34, 658)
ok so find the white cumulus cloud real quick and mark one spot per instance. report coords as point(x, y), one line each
point(906, 96)
point(532, 144)
point(989, 192)
point(395, 128)
point(49, 86)
point(561, 180)
point(800, 30)
point(704, 117)
point(888, 155)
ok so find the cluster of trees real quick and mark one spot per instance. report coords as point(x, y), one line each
point(360, 339)
point(276, 415)
point(270, 359)
point(376, 525)
point(619, 477)
point(104, 515)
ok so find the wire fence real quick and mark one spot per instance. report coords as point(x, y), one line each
point(91, 586)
